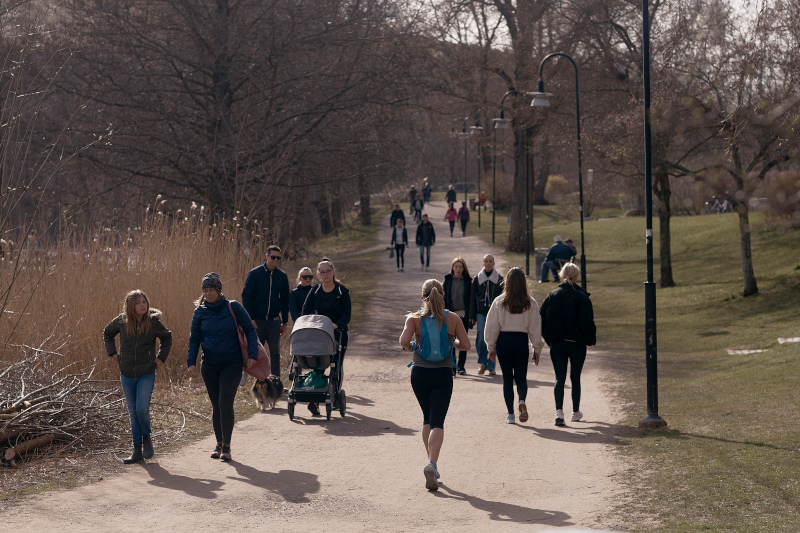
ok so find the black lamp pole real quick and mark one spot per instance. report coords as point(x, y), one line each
point(580, 172)
point(479, 183)
point(499, 123)
point(652, 420)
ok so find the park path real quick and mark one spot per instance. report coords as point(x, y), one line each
point(364, 472)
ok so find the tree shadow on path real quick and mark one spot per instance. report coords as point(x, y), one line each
point(508, 512)
point(581, 432)
point(292, 485)
point(200, 488)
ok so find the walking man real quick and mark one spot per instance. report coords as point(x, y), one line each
point(426, 237)
point(265, 297)
point(397, 214)
point(426, 191)
point(486, 286)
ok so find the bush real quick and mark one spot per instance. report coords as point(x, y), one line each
point(557, 187)
point(783, 192)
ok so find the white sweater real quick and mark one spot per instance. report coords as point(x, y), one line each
point(500, 319)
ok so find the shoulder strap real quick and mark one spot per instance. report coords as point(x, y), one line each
point(230, 308)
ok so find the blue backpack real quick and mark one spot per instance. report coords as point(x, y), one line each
point(433, 347)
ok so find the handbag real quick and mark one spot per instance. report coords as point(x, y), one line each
point(391, 253)
point(260, 370)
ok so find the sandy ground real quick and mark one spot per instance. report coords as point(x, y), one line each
point(364, 472)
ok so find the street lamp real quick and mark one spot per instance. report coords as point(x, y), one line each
point(541, 100)
point(473, 130)
point(476, 130)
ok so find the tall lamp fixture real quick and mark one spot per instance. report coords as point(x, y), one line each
point(501, 123)
point(477, 129)
point(540, 99)
point(473, 130)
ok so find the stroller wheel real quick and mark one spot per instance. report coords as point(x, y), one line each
point(342, 402)
point(291, 410)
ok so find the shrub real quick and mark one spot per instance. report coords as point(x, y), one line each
point(783, 192)
point(557, 187)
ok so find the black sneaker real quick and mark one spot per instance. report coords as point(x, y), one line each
point(217, 451)
point(314, 409)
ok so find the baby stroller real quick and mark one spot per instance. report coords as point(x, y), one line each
point(313, 346)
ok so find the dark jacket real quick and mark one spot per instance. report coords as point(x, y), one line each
point(482, 296)
point(394, 236)
point(562, 251)
point(337, 308)
point(425, 234)
point(450, 196)
point(397, 214)
point(266, 294)
point(463, 213)
point(296, 300)
point(567, 315)
point(137, 354)
point(448, 293)
point(214, 329)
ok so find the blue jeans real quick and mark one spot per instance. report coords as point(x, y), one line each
point(137, 393)
point(547, 266)
point(422, 248)
point(483, 350)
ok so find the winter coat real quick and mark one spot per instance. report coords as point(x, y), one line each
point(296, 300)
point(266, 294)
point(463, 213)
point(567, 315)
point(482, 295)
point(336, 308)
point(137, 353)
point(562, 251)
point(501, 319)
point(397, 214)
point(214, 329)
point(394, 237)
point(451, 215)
point(450, 196)
point(425, 234)
point(448, 292)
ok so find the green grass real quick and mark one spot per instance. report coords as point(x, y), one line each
point(730, 459)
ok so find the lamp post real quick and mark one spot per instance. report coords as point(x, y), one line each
point(476, 130)
point(540, 100)
point(501, 123)
point(473, 130)
point(652, 420)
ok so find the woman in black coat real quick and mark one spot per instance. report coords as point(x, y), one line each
point(568, 328)
point(457, 286)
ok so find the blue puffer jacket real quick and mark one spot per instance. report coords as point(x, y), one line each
point(214, 329)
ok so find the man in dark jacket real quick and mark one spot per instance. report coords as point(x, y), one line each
point(486, 286)
point(558, 254)
point(397, 214)
point(426, 237)
point(265, 297)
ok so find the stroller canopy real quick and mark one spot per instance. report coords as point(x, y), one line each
point(312, 335)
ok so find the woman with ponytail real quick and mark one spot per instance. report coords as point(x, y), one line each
point(432, 382)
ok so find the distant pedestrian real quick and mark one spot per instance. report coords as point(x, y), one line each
point(426, 237)
point(512, 322)
point(397, 213)
point(138, 327)
point(419, 205)
point(463, 216)
point(558, 255)
point(432, 381)
point(457, 285)
point(400, 241)
point(451, 216)
point(412, 195)
point(568, 328)
point(426, 190)
point(486, 286)
point(265, 296)
point(482, 200)
point(305, 278)
point(450, 197)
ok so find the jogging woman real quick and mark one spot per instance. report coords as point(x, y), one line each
point(433, 381)
point(297, 297)
point(400, 241)
point(568, 328)
point(138, 327)
point(214, 328)
point(457, 286)
point(513, 320)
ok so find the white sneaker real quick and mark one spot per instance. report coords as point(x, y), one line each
point(576, 416)
point(402, 269)
point(427, 268)
point(510, 419)
point(560, 417)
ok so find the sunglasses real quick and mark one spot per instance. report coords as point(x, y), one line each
point(275, 257)
point(306, 277)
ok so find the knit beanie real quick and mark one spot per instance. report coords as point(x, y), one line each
point(212, 281)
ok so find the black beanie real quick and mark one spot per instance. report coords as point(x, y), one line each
point(212, 281)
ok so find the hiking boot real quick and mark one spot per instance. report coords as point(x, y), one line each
point(147, 447)
point(482, 369)
point(576, 416)
point(560, 417)
point(217, 451)
point(135, 457)
point(431, 483)
point(226, 453)
point(523, 413)
point(510, 418)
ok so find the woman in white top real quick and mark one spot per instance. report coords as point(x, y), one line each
point(399, 240)
point(513, 320)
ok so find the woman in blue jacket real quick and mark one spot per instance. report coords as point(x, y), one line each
point(214, 328)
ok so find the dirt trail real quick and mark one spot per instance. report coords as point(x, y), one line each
point(364, 472)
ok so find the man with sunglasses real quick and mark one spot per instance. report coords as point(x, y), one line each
point(266, 299)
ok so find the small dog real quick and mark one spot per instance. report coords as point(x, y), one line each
point(267, 392)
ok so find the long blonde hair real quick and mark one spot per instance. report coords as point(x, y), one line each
point(129, 311)
point(433, 301)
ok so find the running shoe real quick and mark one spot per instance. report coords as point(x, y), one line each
point(576, 416)
point(431, 483)
point(462, 372)
point(560, 417)
point(217, 451)
point(510, 418)
point(523, 413)
point(226, 453)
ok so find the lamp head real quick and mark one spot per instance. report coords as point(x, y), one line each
point(540, 99)
point(501, 123)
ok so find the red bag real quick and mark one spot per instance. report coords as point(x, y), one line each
point(262, 369)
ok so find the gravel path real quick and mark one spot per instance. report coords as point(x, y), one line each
point(364, 472)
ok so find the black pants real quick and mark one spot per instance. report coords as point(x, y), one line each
point(464, 226)
point(399, 250)
point(433, 388)
point(452, 226)
point(462, 354)
point(512, 354)
point(560, 353)
point(269, 333)
point(221, 384)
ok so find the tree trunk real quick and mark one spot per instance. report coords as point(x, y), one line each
point(663, 193)
point(364, 196)
point(516, 234)
point(222, 100)
point(540, 185)
point(748, 275)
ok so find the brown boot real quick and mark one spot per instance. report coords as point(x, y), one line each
point(482, 370)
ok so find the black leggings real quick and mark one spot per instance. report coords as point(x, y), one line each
point(221, 384)
point(464, 226)
point(452, 226)
point(560, 353)
point(433, 388)
point(399, 251)
point(512, 354)
point(462, 354)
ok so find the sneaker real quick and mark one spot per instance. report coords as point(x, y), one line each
point(217, 451)
point(576, 416)
point(431, 483)
point(523, 413)
point(462, 372)
point(402, 269)
point(314, 409)
point(226, 453)
point(427, 268)
point(482, 369)
point(422, 267)
point(560, 417)
point(398, 269)
point(492, 373)
point(510, 419)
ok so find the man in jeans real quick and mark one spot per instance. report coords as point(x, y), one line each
point(426, 238)
point(486, 286)
point(559, 254)
point(265, 297)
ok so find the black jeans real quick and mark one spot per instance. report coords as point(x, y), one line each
point(560, 353)
point(512, 354)
point(464, 226)
point(221, 384)
point(269, 333)
point(433, 388)
point(462, 354)
point(452, 226)
point(399, 250)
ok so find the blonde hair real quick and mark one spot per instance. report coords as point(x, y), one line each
point(433, 301)
point(129, 311)
point(300, 273)
point(570, 273)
